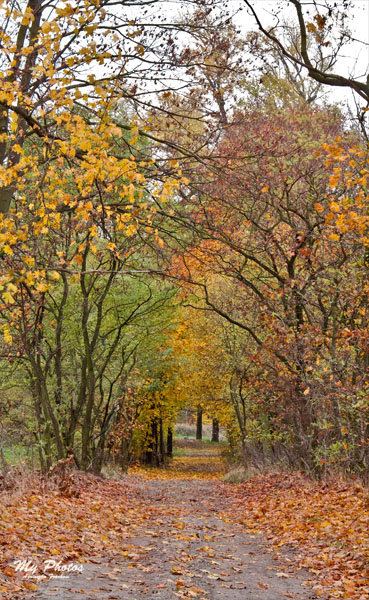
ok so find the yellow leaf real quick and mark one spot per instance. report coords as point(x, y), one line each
point(30, 261)
point(8, 298)
point(131, 230)
point(27, 17)
point(66, 11)
point(43, 287)
point(46, 27)
point(30, 586)
point(7, 336)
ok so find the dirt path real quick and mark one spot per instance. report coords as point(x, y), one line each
point(186, 548)
point(184, 543)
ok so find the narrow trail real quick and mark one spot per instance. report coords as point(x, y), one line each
point(183, 543)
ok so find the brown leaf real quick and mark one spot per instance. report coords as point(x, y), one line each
point(263, 585)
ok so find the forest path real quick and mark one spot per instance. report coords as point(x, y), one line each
point(182, 541)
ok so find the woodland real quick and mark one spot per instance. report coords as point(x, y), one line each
point(183, 224)
point(184, 230)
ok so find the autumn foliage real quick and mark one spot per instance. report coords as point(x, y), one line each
point(183, 227)
point(267, 258)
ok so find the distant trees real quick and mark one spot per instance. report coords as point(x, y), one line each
point(201, 365)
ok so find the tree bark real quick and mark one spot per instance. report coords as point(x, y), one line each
point(161, 442)
point(199, 423)
point(215, 432)
point(170, 442)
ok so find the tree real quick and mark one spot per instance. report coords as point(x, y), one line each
point(322, 24)
point(79, 167)
point(203, 365)
point(280, 81)
point(69, 173)
point(155, 384)
point(76, 332)
point(260, 227)
point(69, 73)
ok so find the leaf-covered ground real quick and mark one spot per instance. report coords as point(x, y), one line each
point(183, 533)
point(327, 525)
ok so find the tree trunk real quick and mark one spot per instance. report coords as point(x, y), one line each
point(170, 442)
point(215, 432)
point(98, 455)
point(161, 441)
point(43, 403)
point(124, 454)
point(86, 424)
point(152, 453)
point(199, 423)
point(155, 450)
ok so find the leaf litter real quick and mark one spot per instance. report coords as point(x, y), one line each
point(186, 535)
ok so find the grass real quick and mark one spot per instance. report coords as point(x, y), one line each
point(17, 454)
point(179, 452)
point(179, 440)
point(238, 475)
